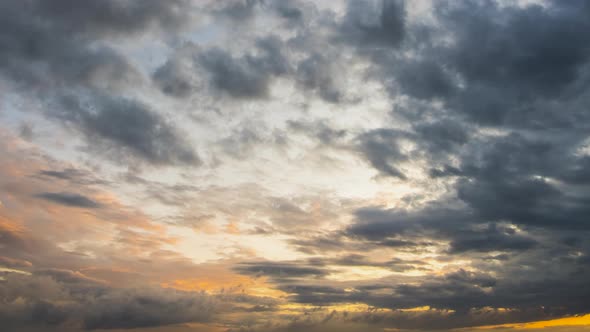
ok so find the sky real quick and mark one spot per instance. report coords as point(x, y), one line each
point(294, 165)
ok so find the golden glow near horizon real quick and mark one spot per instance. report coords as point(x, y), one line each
point(580, 320)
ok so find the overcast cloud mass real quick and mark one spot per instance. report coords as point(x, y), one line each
point(294, 165)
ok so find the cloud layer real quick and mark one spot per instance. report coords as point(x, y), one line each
point(293, 165)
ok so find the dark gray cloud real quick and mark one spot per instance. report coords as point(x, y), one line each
point(517, 188)
point(383, 150)
point(511, 58)
point(529, 202)
point(424, 80)
point(467, 234)
point(134, 309)
point(316, 73)
point(374, 24)
point(462, 228)
point(469, 294)
point(66, 174)
point(243, 75)
point(173, 79)
point(493, 238)
point(59, 36)
point(499, 71)
point(69, 199)
point(510, 178)
point(49, 48)
point(283, 271)
point(442, 136)
point(63, 299)
point(71, 175)
point(499, 68)
point(114, 17)
point(247, 76)
point(120, 126)
point(294, 12)
point(468, 290)
point(238, 10)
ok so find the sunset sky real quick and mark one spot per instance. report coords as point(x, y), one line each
point(294, 165)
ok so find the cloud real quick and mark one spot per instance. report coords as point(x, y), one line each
point(14, 263)
point(374, 23)
point(69, 199)
point(247, 76)
point(147, 308)
point(473, 115)
point(494, 238)
point(462, 228)
point(239, 10)
point(13, 238)
point(317, 73)
point(383, 150)
point(280, 271)
point(59, 299)
point(424, 80)
point(26, 131)
point(71, 175)
point(525, 69)
point(69, 57)
point(120, 125)
point(56, 40)
point(173, 78)
point(323, 132)
point(66, 174)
